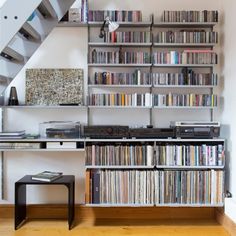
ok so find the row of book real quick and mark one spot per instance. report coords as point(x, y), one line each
point(115, 15)
point(190, 155)
point(148, 155)
point(197, 36)
point(154, 187)
point(190, 16)
point(127, 37)
point(120, 99)
point(145, 78)
point(185, 57)
point(182, 100)
point(184, 79)
point(119, 57)
point(162, 57)
point(116, 78)
point(147, 100)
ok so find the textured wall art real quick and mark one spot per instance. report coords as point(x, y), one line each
point(54, 86)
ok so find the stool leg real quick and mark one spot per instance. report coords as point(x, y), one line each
point(20, 204)
point(71, 203)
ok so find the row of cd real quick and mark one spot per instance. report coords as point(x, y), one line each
point(145, 78)
point(148, 99)
point(162, 57)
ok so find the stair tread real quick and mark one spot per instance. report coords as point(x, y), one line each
point(46, 9)
point(10, 53)
point(27, 29)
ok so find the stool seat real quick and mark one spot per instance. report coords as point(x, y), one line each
point(20, 196)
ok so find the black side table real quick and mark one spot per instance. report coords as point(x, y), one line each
point(20, 196)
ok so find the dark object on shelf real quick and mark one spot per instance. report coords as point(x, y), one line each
point(62, 133)
point(112, 26)
point(13, 100)
point(185, 129)
point(20, 196)
point(106, 131)
point(152, 133)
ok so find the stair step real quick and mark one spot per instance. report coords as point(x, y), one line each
point(11, 54)
point(5, 80)
point(46, 9)
point(29, 32)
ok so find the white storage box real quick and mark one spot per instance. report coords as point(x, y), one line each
point(61, 145)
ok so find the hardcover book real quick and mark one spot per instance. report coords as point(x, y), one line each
point(47, 176)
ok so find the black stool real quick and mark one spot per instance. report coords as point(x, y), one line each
point(20, 196)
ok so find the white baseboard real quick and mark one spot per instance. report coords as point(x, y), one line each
point(230, 208)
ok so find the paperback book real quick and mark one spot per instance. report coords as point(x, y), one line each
point(47, 176)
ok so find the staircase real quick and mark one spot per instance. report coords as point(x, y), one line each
point(24, 25)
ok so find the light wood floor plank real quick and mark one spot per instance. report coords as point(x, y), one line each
point(106, 227)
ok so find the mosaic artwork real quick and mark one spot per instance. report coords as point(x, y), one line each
point(54, 87)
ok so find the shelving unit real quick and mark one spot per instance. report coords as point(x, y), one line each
point(141, 170)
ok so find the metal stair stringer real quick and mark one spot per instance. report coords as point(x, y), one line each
point(23, 37)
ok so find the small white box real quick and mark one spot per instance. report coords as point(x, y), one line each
point(61, 145)
point(74, 15)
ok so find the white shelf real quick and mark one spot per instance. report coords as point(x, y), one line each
point(118, 65)
point(184, 44)
point(96, 44)
point(38, 140)
point(42, 150)
point(185, 65)
point(123, 24)
point(189, 205)
point(184, 107)
point(118, 205)
point(43, 107)
point(185, 24)
point(154, 205)
point(189, 167)
point(120, 107)
point(72, 24)
point(154, 140)
point(84, 140)
point(118, 86)
point(184, 86)
point(119, 167)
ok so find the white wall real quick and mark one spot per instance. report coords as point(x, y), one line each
point(229, 102)
point(67, 47)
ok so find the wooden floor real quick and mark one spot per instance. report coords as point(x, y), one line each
point(105, 227)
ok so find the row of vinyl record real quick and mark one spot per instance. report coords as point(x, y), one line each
point(190, 16)
point(162, 57)
point(127, 37)
point(149, 155)
point(186, 37)
point(154, 187)
point(145, 78)
point(147, 100)
point(115, 15)
point(117, 57)
point(186, 57)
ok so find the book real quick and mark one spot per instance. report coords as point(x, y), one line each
point(47, 176)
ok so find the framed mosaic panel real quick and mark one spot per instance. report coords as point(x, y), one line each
point(54, 87)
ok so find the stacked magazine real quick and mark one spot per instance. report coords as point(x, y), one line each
point(47, 176)
point(12, 135)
